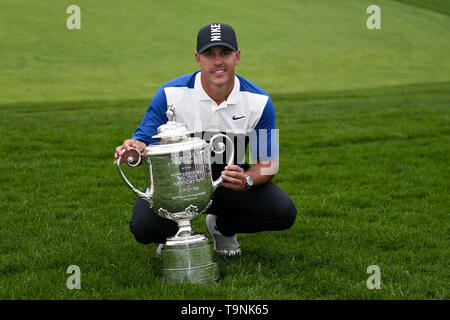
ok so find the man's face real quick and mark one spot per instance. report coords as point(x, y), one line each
point(217, 64)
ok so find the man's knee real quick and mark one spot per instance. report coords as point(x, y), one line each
point(287, 212)
point(147, 227)
point(279, 209)
point(143, 235)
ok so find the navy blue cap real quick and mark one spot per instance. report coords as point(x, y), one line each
point(216, 34)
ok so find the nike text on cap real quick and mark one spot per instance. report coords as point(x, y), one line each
point(216, 34)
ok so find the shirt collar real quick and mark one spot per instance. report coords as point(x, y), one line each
point(202, 95)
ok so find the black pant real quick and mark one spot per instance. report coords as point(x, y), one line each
point(262, 208)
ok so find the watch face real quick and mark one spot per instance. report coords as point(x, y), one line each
point(250, 181)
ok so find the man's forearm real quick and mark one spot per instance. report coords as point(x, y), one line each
point(263, 171)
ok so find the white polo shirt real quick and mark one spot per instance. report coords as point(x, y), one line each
point(247, 112)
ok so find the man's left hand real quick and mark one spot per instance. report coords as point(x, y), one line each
point(234, 178)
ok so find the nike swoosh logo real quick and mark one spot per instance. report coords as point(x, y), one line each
point(237, 118)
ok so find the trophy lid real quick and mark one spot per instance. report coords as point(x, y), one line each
point(182, 146)
point(172, 131)
point(174, 137)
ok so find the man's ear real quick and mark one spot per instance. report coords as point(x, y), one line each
point(197, 58)
point(238, 56)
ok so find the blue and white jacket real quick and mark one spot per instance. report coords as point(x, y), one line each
point(247, 115)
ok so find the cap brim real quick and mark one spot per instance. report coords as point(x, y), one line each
point(215, 44)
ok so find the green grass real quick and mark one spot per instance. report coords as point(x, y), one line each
point(127, 50)
point(364, 137)
point(367, 169)
point(441, 6)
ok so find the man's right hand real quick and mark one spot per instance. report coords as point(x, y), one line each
point(126, 145)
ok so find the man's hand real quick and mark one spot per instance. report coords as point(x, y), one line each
point(126, 145)
point(234, 178)
point(261, 172)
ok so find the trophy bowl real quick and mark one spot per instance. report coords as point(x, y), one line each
point(181, 188)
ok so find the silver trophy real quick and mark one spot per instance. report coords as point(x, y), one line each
point(181, 188)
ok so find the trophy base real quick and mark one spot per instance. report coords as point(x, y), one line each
point(190, 262)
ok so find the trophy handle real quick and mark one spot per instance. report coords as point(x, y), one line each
point(132, 162)
point(216, 183)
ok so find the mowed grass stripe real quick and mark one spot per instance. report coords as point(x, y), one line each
point(441, 6)
point(368, 172)
point(127, 50)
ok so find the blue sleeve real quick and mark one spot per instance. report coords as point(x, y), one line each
point(153, 118)
point(263, 142)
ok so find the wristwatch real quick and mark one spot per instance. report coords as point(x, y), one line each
point(248, 182)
